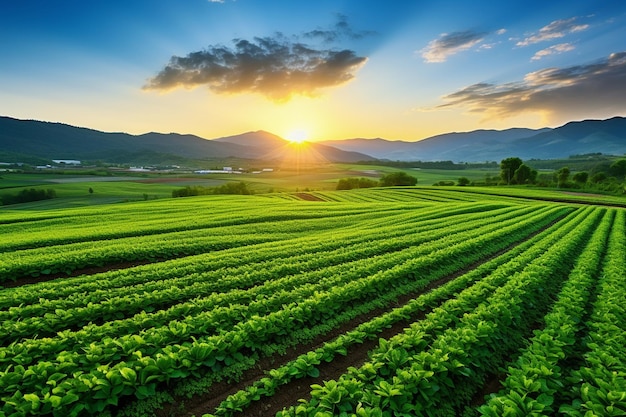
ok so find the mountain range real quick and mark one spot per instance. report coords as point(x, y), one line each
point(49, 140)
point(574, 138)
point(61, 141)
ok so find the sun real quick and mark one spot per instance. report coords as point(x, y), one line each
point(297, 136)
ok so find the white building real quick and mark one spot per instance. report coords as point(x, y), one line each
point(66, 161)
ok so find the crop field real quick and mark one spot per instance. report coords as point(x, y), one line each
point(366, 303)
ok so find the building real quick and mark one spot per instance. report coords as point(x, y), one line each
point(66, 161)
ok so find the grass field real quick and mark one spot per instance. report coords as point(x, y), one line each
point(413, 301)
point(73, 190)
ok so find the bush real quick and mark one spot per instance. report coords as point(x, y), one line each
point(26, 196)
point(463, 181)
point(228, 188)
point(397, 178)
point(351, 183)
point(232, 188)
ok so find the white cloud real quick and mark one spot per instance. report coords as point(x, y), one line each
point(448, 44)
point(553, 50)
point(555, 30)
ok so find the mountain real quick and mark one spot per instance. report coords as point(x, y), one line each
point(61, 141)
point(480, 145)
point(35, 139)
point(260, 139)
point(584, 137)
point(271, 147)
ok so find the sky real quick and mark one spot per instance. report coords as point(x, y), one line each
point(316, 70)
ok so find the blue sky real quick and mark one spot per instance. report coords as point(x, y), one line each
point(333, 69)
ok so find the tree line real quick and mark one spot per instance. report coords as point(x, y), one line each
point(389, 180)
point(27, 196)
point(228, 188)
point(611, 178)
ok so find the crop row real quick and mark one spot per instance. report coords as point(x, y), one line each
point(487, 277)
point(417, 374)
point(117, 367)
point(76, 227)
point(599, 386)
point(242, 303)
point(290, 255)
point(537, 376)
point(69, 257)
point(403, 195)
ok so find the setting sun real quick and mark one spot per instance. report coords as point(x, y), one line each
point(297, 136)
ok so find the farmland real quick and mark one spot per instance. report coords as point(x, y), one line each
point(377, 302)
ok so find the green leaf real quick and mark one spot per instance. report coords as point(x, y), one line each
point(129, 374)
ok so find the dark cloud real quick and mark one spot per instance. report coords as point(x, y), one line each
point(448, 44)
point(274, 67)
point(580, 90)
point(341, 30)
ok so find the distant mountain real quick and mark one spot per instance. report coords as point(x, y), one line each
point(61, 141)
point(480, 145)
point(271, 147)
point(259, 139)
point(47, 140)
point(589, 136)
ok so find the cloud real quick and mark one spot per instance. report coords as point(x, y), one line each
point(581, 90)
point(553, 50)
point(555, 30)
point(338, 31)
point(449, 44)
point(274, 67)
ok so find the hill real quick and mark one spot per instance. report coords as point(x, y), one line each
point(36, 139)
point(61, 141)
point(584, 137)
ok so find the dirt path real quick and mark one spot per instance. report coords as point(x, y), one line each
point(308, 197)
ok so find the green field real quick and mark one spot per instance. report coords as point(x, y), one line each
point(405, 301)
point(73, 190)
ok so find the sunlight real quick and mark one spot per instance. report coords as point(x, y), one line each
point(297, 136)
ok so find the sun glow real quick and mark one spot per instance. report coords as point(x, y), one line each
point(297, 136)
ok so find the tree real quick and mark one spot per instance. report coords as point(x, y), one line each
point(397, 178)
point(523, 175)
point(232, 188)
point(27, 196)
point(581, 177)
point(350, 183)
point(463, 181)
point(562, 175)
point(618, 168)
point(508, 167)
point(598, 177)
